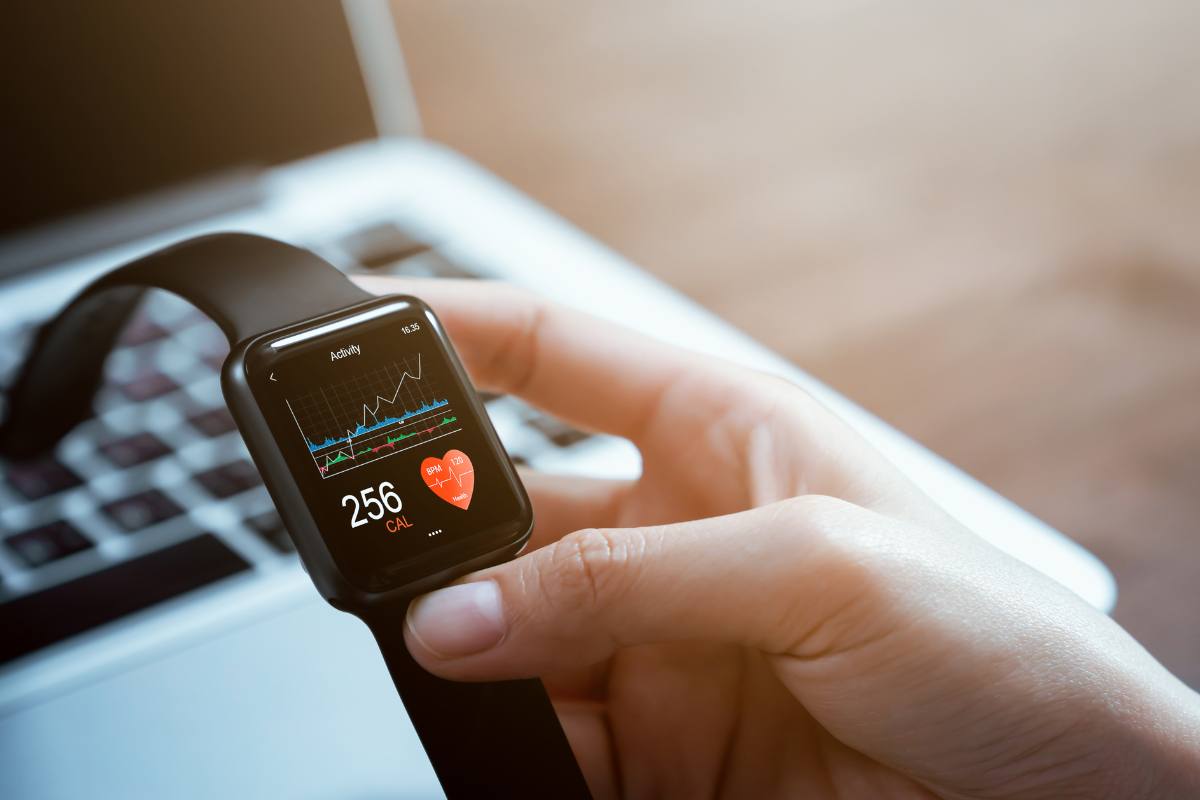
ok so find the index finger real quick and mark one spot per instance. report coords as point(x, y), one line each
point(587, 371)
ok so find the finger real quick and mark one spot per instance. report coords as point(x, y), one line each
point(590, 372)
point(565, 503)
point(689, 414)
point(756, 578)
point(587, 683)
point(586, 726)
point(562, 504)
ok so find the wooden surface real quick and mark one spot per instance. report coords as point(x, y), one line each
point(980, 221)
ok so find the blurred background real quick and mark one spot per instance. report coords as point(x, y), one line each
point(977, 220)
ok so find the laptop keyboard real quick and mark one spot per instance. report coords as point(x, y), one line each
point(155, 496)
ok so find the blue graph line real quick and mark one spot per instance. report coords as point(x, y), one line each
point(360, 429)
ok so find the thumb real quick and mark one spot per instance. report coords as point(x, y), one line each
point(759, 578)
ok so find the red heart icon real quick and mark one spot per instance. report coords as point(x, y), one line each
point(451, 477)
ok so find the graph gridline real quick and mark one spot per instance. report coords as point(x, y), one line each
point(372, 415)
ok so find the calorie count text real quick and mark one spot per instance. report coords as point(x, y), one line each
point(375, 508)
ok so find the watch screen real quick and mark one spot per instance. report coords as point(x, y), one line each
point(381, 433)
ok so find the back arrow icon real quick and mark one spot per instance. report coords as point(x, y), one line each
point(273, 377)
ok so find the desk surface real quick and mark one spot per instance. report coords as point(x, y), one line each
point(977, 222)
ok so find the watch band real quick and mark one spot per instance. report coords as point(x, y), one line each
point(247, 284)
point(484, 739)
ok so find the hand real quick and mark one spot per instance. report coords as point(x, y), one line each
point(772, 609)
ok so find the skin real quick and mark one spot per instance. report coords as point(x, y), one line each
point(773, 610)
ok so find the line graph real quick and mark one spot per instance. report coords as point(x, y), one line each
point(371, 421)
point(372, 415)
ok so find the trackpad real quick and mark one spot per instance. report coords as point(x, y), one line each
point(296, 705)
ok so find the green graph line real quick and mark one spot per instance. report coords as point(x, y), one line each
point(390, 440)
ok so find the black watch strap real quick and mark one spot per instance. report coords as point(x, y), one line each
point(247, 284)
point(484, 740)
point(498, 739)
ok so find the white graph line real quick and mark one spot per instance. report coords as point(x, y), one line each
point(380, 399)
point(366, 409)
point(343, 450)
point(453, 477)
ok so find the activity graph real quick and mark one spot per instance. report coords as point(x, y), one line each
point(375, 414)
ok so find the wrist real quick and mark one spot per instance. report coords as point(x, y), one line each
point(1133, 734)
point(1171, 742)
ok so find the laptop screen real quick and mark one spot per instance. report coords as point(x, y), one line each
point(107, 101)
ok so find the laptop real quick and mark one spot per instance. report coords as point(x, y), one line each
point(157, 634)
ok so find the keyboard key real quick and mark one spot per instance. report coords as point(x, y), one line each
point(142, 510)
point(148, 386)
point(270, 527)
point(557, 431)
point(190, 316)
point(43, 618)
point(431, 264)
point(214, 422)
point(40, 477)
point(141, 331)
point(209, 345)
point(134, 450)
point(229, 479)
point(381, 245)
point(47, 543)
point(214, 361)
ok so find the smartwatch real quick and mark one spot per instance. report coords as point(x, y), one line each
point(374, 447)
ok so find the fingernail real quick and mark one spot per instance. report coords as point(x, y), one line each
point(459, 620)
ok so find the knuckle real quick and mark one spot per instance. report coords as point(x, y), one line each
point(845, 579)
point(504, 358)
point(591, 566)
point(817, 513)
point(520, 348)
point(845, 543)
point(845, 536)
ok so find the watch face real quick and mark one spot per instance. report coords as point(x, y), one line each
point(379, 428)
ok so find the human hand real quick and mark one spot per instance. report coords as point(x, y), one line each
point(772, 609)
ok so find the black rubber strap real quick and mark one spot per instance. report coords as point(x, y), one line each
point(494, 740)
point(484, 740)
point(248, 284)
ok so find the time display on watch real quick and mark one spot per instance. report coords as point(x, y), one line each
point(382, 435)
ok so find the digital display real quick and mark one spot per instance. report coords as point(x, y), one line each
point(381, 436)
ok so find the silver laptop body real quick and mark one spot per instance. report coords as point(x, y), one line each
point(179, 650)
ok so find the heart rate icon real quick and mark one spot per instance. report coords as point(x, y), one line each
point(451, 477)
